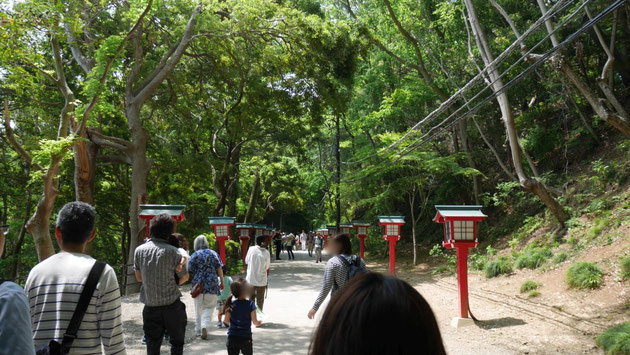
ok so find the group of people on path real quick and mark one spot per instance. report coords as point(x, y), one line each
point(311, 242)
point(71, 303)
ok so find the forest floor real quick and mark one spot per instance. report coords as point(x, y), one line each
point(560, 321)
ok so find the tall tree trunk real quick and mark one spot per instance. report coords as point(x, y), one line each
point(20, 240)
point(140, 168)
point(463, 132)
point(84, 171)
point(253, 198)
point(527, 184)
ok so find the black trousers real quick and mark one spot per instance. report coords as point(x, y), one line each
point(278, 247)
point(237, 345)
point(290, 252)
point(157, 320)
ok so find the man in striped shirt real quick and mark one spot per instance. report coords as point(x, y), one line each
point(54, 285)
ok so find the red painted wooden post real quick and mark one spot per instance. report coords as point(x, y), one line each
point(244, 246)
point(221, 241)
point(392, 254)
point(148, 225)
point(462, 280)
point(362, 245)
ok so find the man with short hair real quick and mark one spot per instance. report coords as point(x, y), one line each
point(155, 263)
point(16, 336)
point(277, 244)
point(53, 288)
point(258, 261)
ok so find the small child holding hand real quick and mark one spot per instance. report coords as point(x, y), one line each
point(240, 313)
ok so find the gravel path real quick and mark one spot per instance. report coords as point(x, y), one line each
point(293, 287)
point(510, 325)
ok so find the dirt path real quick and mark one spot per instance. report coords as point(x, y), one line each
point(293, 286)
point(510, 325)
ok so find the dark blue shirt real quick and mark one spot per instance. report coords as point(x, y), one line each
point(241, 318)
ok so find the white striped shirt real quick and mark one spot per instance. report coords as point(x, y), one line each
point(335, 276)
point(53, 288)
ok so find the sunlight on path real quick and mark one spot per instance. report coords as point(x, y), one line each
point(293, 287)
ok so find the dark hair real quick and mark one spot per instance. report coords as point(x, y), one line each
point(260, 240)
point(237, 288)
point(344, 241)
point(352, 321)
point(76, 221)
point(162, 226)
point(179, 241)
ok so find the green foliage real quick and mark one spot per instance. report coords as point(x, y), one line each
point(625, 268)
point(533, 293)
point(477, 261)
point(447, 257)
point(533, 258)
point(615, 340)
point(501, 266)
point(605, 172)
point(529, 285)
point(584, 275)
point(560, 258)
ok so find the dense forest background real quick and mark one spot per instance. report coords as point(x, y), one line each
point(234, 107)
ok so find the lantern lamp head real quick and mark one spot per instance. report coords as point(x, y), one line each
point(391, 225)
point(221, 226)
point(460, 224)
point(362, 227)
point(345, 228)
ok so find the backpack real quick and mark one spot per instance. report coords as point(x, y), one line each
point(53, 347)
point(354, 267)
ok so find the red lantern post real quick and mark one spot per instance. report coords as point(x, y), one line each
point(391, 233)
point(221, 227)
point(244, 231)
point(147, 212)
point(460, 232)
point(362, 228)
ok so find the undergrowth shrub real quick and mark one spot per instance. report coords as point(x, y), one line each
point(447, 257)
point(560, 258)
point(615, 340)
point(529, 285)
point(533, 258)
point(533, 293)
point(477, 261)
point(625, 268)
point(501, 266)
point(584, 275)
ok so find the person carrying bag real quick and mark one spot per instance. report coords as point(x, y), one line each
point(54, 347)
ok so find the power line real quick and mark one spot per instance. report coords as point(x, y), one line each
point(508, 85)
point(556, 8)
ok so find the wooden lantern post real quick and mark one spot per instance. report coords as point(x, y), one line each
point(460, 232)
point(391, 233)
point(221, 227)
point(345, 228)
point(362, 232)
point(147, 212)
point(324, 232)
point(244, 231)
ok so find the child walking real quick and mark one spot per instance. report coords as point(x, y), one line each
point(240, 313)
point(222, 299)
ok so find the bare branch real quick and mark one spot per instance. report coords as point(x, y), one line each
point(107, 141)
point(14, 143)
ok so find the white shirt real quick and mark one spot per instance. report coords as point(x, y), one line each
point(303, 237)
point(53, 288)
point(258, 262)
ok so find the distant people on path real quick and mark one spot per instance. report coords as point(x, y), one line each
point(240, 314)
point(303, 240)
point(310, 241)
point(376, 314)
point(258, 262)
point(16, 335)
point(53, 288)
point(290, 245)
point(277, 244)
point(319, 245)
point(155, 262)
point(206, 267)
point(338, 269)
point(181, 243)
point(227, 282)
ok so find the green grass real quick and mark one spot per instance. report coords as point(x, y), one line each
point(625, 268)
point(533, 258)
point(560, 258)
point(440, 270)
point(529, 285)
point(584, 275)
point(533, 293)
point(615, 340)
point(501, 266)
